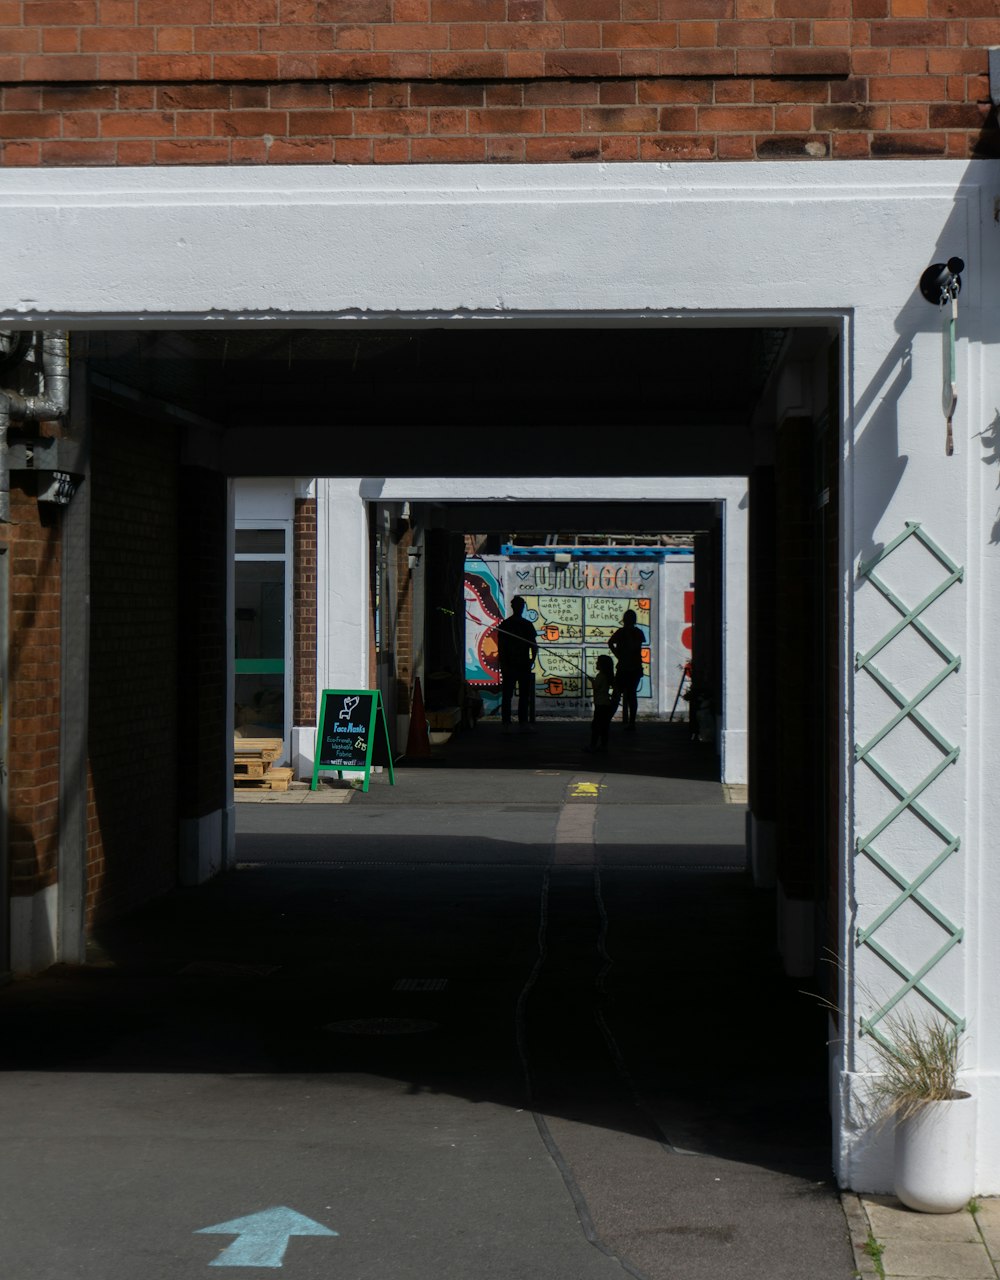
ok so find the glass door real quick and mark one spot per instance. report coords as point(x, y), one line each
point(262, 627)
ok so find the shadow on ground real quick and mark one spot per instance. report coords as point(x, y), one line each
point(657, 749)
point(431, 945)
point(647, 1000)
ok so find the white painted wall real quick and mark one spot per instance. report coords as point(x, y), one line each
point(791, 243)
point(677, 577)
point(34, 930)
point(342, 579)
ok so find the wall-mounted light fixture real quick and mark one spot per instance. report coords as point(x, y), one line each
point(942, 281)
point(940, 285)
point(412, 557)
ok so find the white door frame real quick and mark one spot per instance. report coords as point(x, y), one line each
point(343, 568)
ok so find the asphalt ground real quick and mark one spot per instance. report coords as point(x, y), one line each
point(518, 1015)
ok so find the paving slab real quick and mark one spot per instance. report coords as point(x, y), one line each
point(892, 1220)
point(988, 1222)
point(297, 793)
point(859, 1229)
point(920, 1257)
point(920, 1246)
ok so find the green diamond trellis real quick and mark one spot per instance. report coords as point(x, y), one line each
point(908, 890)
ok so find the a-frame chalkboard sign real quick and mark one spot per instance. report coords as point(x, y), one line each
point(352, 734)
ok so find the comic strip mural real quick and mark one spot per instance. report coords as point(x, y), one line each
point(575, 608)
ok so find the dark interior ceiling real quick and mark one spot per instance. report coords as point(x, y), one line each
point(531, 523)
point(458, 376)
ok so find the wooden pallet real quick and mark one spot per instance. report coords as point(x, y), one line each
point(275, 778)
point(253, 762)
point(246, 770)
point(266, 749)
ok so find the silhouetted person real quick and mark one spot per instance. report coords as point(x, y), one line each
point(517, 647)
point(627, 644)
point(601, 683)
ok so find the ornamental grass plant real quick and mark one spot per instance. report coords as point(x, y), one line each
point(915, 1060)
point(919, 1061)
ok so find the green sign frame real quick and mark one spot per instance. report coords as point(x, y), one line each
point(359, 743)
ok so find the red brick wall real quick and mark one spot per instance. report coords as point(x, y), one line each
point(403, 615)
point(139, 82)
point(33, 547)
point(304, 641)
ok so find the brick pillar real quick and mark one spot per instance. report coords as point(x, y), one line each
point(33, 545)
point(404, 623)
point(305, 610)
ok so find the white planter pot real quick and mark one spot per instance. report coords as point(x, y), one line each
point(935, 1156)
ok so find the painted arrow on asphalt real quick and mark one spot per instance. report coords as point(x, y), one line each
point(263, 1237)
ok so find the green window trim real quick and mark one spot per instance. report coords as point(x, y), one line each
point(260, 666)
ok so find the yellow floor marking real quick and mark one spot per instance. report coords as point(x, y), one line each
point(586, 789)
point(574, 839)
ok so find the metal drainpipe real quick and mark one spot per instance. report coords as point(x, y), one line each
point(4, 469)
point(53, 401)
point(50, 404)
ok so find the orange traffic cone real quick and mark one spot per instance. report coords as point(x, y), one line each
point(418, 741)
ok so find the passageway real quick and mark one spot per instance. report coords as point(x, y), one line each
point(523, 1012)
point(510, 1018)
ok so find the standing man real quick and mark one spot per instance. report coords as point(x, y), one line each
point(517, 648)
point(627, 645)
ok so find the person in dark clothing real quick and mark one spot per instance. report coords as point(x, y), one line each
point(627, 644)
point(601, 682)
point(517, 647)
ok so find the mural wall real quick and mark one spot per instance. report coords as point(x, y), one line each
point(484, 610)
point(575, 609)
